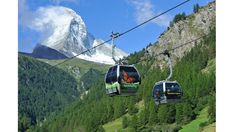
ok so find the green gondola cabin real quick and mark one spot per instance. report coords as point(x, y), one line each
point(122, 80)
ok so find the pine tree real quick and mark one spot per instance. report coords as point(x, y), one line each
point(162, 113)
point(212, 109)
point(196, 8)
point(131, 107)
point(142, 118)
point(170, 116)
point(24, 124)
point(179, 113)
point(125, 122)
point(100, 129)
point(187, 112)
point(119, 108)
point(134, 122)
point(153, 118)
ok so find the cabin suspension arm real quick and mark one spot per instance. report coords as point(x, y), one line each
point(113, 36)
point(166, 53)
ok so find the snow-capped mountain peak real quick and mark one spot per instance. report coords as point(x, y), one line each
point(70, 36)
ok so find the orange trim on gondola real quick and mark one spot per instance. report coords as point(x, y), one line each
point(127, 78)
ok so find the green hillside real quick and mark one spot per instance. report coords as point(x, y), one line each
point(96, 109)
point(85, 72)
point(209, 128)
point(42, 90)
point(193, 126)
point(114, 126)
point(117, 124)
point(82, 66)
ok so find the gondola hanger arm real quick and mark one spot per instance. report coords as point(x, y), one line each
point(166, 53)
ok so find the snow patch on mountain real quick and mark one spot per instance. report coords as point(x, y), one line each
point(103, 53)
point(99, 58)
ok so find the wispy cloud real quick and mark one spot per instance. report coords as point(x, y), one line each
point(58, 2)
point(25, 14)
point(144, 10)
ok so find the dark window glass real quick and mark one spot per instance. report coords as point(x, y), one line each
point(129, 74)
point(111, 76)
point(114, 68)
point(114, 74)
point(158, 89)
point(172, 87)
point(108, 75)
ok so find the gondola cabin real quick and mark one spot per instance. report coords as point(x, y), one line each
point(122, 80)
point(167, 92)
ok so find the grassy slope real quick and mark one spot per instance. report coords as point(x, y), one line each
point(209, 128)
point(193, 126)
point(83, 65)
point(116, 125)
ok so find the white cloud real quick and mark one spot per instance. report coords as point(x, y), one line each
point(26, 15)
point(52, 20)
point(145, 10)
point(50, 17)
point(45, 19)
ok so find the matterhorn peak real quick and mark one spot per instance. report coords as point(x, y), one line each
point(70, 37)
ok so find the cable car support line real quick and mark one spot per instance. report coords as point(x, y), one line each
point(125, 32)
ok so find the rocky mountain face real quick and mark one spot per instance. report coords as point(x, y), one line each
point(194, 26)
point(41, 51)
point(70, 37)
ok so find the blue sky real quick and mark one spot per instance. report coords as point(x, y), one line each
point(103, 17)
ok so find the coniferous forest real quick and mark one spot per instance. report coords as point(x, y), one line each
point(193, 71)
point(49, 99)
point(41, 91)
